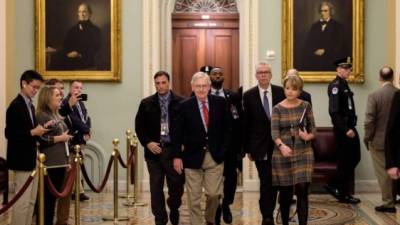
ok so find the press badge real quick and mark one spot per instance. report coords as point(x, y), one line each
point(234, 112)
point(164, 129)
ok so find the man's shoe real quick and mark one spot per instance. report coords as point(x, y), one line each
point(333, 191)
point(268, 221)
point(83, 197)
point(385, 209)
point(226, 214)
point(349, 199)
point(174, 217)
point(218, 216)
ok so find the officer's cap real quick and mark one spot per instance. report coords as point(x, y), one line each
point(346, 63)
point(206, 69)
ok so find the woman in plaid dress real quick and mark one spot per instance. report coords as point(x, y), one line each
point(293, 128)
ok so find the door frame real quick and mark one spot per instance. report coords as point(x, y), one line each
point(157, 55)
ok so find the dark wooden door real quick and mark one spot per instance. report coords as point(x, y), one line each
point(199, 42)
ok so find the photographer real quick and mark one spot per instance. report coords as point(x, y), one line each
point(78, 122)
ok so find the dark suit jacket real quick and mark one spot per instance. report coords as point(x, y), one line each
point(76, 126)
point(148, 117)
point(392, 141)
point(305, 96)
point(257, 126)
point(190, 138)
point(21, 147)
point(235, 103)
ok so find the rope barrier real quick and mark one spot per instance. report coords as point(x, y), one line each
point(130, 160)
point(103, 183)
point(19, 194)
point(132, 173)
point(67, 186)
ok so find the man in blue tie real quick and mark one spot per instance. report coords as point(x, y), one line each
point(257, 105)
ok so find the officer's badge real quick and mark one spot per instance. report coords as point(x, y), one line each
point(335, 90)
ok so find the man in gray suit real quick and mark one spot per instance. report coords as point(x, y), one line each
point(376, 118)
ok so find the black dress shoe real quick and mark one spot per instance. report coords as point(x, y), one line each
point(226, 214)
point(268, 221)
point(349, 199)
point(333, 191)
point(385, 209)
point(218, 215)
point(83, 197)
point(174, 217)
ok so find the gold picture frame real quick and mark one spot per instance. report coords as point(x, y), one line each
point(71, 47)
point(298, 20)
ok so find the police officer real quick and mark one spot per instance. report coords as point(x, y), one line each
point(233, 155)
point(344, 119)
point(206, 69)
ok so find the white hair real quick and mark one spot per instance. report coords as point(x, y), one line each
point(199, 75)
point(262, 63)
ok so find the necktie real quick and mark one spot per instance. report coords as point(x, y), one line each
point(217, 92)
point(266, 105)
point(80, 112)
point(164, 121)
point(205, 113)
point(32, 112)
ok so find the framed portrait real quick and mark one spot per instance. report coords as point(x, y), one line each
point(317, 33)
point(78, 39)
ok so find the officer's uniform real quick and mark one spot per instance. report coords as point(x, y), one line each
point(343, 115)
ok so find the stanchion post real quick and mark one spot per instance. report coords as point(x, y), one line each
point(77, 160)
point(115, 155)
point(136, 182)
point(42, 168)
point(128, 168)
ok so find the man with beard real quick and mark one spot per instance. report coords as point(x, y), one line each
point(234, 153)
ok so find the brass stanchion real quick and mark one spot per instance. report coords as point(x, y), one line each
point(115, 154)
point(128, 195)
point(42, 171)
point(78, 160)
point(136, 183)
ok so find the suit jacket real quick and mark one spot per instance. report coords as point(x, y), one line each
point(235, 109)
point(148, 117)
point(305, 96)
point(257, 127)
point(376, 115)
point(76, 126)
point(392, 140)
point(190, 138)
point(21, 145)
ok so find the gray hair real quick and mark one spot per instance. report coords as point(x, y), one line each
point(199, 75)
point(330, 5)
point(262, 63)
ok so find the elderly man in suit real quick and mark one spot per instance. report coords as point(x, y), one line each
point(257, 105)
point(378, 107)
point(154, 121)
point(201, 137)
point(22, 132)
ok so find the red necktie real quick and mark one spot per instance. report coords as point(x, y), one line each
point(205, 112)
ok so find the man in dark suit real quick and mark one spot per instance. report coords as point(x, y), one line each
point(258, 143)
point(230, 160)
point(376, 117)
point(78, 123)
point(22, 132)
point(304, 95)
point(201, 139)
point(392, 143)
point(154, 121)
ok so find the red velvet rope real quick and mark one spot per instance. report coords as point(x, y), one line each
point(18, 195)
point(133, 164)
point(130, 159)
point(103, 183)
point(67, 186)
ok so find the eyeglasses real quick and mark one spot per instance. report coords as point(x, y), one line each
point(36, 87)
point(324, 10)
point(263, 72)
point(201, 86)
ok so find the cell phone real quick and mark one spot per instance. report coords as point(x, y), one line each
point(83, 97)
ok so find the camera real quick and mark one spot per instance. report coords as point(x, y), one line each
point(83, 97)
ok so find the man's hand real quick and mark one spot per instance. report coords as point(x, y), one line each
point(65, 137)
point(154, 147)
point(350, 133)
point(39, 130)
point(73, 99)
point(319, 52)
point(86, 137)
point(74, 54)
point(393, 173)
point(178, 165)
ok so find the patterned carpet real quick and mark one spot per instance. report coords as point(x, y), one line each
point(324, 210)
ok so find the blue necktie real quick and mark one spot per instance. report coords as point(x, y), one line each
point(266, 105)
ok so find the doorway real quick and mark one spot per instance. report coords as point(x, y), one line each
point(201, 39)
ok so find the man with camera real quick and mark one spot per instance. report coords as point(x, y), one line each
point(78, 122)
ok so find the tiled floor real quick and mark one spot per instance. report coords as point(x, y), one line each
point(323, 210)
